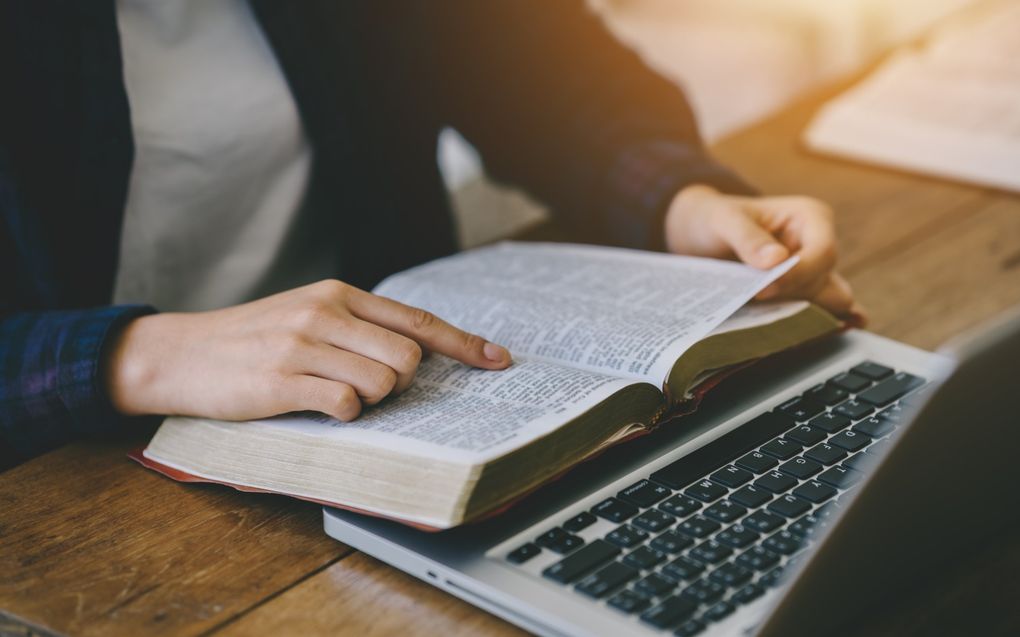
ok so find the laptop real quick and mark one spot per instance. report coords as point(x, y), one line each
point(841, 471)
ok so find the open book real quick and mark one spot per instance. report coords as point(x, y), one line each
point(949, 108)
point(606, 342)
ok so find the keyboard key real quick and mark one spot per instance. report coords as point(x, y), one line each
point(719, 610)
point(698, 526)
point(782, 542)
point(704, 591)
point(671, 542)
point(781, 448)
point(861, 461)
point(710, 552)
point(567, 544)
point(871, 370)
point(670, 612)
point(690, 628)
point(626, 536)
point(890, 389)
point(682, 568)
point(789, 505)
point(800, 468)
point(804, 527)
point(895, 414)
point(806, 435)
point(763, 521)
point(825, 453)
point(580, 521)
point(629, 601)
point(643, 493)
point(772, 578)
point(609, 577)
point(751, 496)
point(875, 427)
point(731, 476)
point(814, 491)
point(776, 482)
point(854, 409)
point(523, 553)
point(725, 511)
point(801, 409)
point(757, 462)
point(680, 505)
point(748, 594)
point(613, 510)
point(825, 511)
point(758, 558)
point(655, 585)
point(851, 382)
point(706, 491)
point(722, 450)
point(653, 520)
point(737, 536)
point(850, 440)
point(826, 394)
point(830, 422)
point(558, 540)
point(879, 448)
point(840, 477)
point(581, 561)
point(730, 574)
point(644, 558)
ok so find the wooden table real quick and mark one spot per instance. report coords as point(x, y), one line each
point(92, 544)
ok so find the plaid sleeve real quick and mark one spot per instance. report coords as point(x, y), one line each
point(643, 181)
point(51, 388)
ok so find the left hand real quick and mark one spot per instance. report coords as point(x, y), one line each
point(762, 232)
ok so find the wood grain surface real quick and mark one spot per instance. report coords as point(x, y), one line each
point(91, 544)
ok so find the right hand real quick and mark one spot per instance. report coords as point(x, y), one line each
point(327, 347)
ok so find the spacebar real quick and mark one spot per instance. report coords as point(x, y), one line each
point(722, 450)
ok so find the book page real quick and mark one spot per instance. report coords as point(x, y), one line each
point(624, 313)
point(760, 313)
point(463, 414)
point(950, 108)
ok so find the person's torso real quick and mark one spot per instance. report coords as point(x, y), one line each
point(354, 71)
point(215, 213)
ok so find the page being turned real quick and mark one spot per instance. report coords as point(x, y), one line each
point(622, 312)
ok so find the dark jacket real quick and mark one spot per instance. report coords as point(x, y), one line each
point(552, 101)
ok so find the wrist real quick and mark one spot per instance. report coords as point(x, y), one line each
point(681, 223)
point(132, 366)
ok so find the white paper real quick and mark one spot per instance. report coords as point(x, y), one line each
point(624, 313)
point(950, 109)
point(462, 414)
point(760, 313)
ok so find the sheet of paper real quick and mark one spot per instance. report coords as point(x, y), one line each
point(455, 412)
point(950, 108)
point(620, 312)
point(755, 314)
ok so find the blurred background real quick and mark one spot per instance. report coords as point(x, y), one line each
point(737, 60)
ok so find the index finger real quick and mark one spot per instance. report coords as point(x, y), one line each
point(430, 331)
point(815, 239)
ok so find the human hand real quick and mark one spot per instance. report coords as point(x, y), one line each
point(762, 232)
point(327, 347)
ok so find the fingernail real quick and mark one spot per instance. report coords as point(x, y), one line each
point(772, 253)
point(496, 353)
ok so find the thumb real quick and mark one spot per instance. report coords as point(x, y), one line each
point(752, 244)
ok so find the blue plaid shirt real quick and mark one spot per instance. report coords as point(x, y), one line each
point(614, 144)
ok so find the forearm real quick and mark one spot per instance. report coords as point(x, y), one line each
point(51, 381)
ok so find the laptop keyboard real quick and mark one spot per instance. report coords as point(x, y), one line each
point(715, 529)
